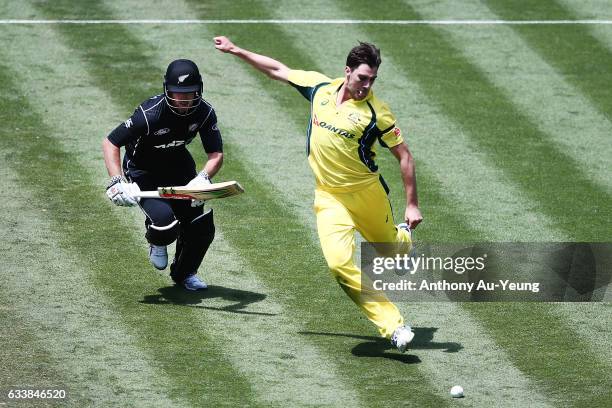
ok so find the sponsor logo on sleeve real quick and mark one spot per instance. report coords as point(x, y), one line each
point(397, 131)
point(128, 123)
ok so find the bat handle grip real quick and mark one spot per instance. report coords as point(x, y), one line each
point(147, 194)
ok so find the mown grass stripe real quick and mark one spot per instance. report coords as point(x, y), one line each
point(276, 377)
point(165, 335)
point(576, 53)
point(543, 345)
point(548, 9)
point(591, 322)
point(73, 340)
point(311, 22)
point(547, 98)
point(554, 105)
point(587, 8)
point(543, 172)
point(27, 363)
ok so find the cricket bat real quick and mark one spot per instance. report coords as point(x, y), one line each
point(209, 192)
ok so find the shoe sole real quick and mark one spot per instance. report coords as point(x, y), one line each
point(159, 268)
point(194, 290)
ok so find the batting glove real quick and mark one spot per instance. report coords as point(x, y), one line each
point(201, 180)
point(120, 192)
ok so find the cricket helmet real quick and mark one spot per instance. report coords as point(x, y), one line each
point(183, 76)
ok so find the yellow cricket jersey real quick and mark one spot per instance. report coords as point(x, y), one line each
point(341, 140)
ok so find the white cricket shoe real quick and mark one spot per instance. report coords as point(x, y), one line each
point(402, 336)
point(192, 282)
point(158, 255)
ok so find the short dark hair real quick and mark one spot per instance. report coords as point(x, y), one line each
point(364, 53)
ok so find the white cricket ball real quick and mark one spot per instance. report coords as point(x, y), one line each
point(456, 391)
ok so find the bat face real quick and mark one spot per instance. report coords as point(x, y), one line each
point(210, 192)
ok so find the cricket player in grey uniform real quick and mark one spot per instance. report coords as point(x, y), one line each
point(155, 139)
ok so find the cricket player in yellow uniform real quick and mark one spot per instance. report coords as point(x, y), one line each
point(346, 122)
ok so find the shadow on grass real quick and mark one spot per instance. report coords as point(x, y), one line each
point(177, 295)
point(380, 347)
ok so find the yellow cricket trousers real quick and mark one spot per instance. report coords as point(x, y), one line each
point(369, 212)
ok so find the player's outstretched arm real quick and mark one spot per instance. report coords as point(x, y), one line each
point(269, 66)
point(412, 215)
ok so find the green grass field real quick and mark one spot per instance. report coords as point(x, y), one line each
point(511, 128)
